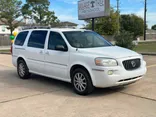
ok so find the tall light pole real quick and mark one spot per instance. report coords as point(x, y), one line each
point(145, 11)
point(118, 17)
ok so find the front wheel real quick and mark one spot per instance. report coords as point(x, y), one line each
point(81, 82)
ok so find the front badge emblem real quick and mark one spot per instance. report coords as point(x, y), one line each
point(133, 63)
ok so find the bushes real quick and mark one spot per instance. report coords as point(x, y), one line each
point(125, 39)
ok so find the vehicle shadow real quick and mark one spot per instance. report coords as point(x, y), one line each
point(48, 85)
point(67, 87)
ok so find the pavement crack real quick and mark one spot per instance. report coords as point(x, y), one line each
point(138, 96)
point(2, 102)
point(6, 66)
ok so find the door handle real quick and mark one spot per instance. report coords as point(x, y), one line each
point(41, 52)
point(47, 53)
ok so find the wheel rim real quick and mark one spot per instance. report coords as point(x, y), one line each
point(80, 82)
point(21, 69)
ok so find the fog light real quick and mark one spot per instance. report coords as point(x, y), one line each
point(110, 72)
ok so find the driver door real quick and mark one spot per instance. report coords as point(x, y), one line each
point(56, 61)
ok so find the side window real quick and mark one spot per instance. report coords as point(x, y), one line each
point(55, 39)
point(20, 39)
point(37, 39)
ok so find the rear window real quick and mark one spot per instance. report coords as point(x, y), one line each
point(37, 39)
point(20, 39)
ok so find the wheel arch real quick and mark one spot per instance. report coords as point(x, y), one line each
point(75, 66)
point(21, 58)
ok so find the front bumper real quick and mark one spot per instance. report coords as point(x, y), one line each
point(119, 77)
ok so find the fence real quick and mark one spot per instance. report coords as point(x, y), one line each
point(5, 41)
point(151, 36)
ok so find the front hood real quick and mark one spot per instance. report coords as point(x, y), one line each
point(111, 51)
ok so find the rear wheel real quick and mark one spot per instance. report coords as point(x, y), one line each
point(81, 82)
point(23, 70)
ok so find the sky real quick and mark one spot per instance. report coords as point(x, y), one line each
point(67, 10)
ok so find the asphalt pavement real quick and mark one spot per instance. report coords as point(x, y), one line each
point(44, 97)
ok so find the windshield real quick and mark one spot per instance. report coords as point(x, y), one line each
point(85, 39)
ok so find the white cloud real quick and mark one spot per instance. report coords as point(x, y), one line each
point(74, 2)
point(66, 17)
point(69, 1)
point(73, 19)
point(151, 16)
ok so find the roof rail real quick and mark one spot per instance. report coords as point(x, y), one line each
point(35, 27)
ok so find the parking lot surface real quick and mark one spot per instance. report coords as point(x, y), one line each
point(44, 97)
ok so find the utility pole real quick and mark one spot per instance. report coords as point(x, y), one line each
point(118, 17)
point(93, 23)
point(145, 11)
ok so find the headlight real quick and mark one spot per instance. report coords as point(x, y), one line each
point(141, 56)
point(106, 62)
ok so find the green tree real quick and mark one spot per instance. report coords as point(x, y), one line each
point(124, 39)
point(51, 19)
point(105, 25)
point(38, 10)
point(10, 12)
point(132, 24)
point(26, 12)
point(154, 27)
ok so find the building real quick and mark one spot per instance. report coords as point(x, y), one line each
point(59, 25)
point(67, 24)
point(4, 29)
point(151, 34)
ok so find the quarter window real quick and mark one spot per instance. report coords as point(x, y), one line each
point(37, 39)
point(54, 40)
point(20, 39)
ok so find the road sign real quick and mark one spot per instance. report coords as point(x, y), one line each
point(93, 8)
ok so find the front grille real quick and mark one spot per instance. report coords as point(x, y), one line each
point(132, 64)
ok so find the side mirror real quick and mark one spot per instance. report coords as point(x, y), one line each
point(61, 48)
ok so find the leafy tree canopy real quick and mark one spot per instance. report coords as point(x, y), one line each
point(105, 25)
point(10, 11)
point(132, 24)
point(154, 27)
point(124, 39)
point(39, 11)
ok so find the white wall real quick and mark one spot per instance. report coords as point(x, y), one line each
point(5, 31)
point(70, 27)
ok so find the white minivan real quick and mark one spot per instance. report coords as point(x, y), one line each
point(81, 57)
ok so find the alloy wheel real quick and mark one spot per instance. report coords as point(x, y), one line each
point(80, 82)
point(21, 69)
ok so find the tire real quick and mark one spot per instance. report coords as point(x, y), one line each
point(81, 81)
point(22, 70)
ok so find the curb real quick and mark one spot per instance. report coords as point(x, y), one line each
point(146, 53)
point(8, 53)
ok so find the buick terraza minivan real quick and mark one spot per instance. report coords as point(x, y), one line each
point(81, 57)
